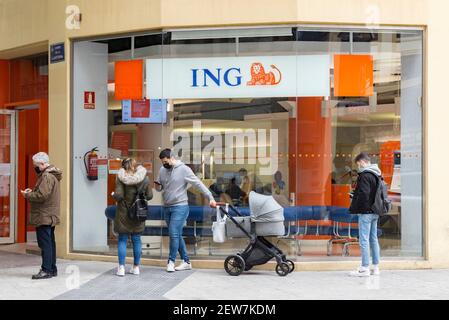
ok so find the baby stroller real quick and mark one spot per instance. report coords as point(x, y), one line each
point(266, 219)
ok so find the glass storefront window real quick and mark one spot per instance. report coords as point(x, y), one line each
point(280, 111)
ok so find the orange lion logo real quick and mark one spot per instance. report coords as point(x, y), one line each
point(259, 77)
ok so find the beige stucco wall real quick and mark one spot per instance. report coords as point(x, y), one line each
point(25, 22)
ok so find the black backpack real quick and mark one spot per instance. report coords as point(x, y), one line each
point(139, 209)
point(382, 205)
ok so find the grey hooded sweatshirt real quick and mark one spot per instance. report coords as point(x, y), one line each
point(175, 182)
point(374, 168)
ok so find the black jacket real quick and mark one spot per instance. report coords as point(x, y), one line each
point(364, 193)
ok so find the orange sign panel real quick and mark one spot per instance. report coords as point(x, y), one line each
point(353, 75)
point(129, 80)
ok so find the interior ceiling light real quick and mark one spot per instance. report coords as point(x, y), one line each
point(230, 33)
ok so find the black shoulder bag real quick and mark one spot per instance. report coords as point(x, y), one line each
point(139, 209)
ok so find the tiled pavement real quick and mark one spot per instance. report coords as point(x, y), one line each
point(95, 280)
point(151, 284)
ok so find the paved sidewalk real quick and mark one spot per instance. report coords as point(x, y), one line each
point(96, 280)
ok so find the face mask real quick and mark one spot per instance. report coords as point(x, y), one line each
point(167, 166)
point(37, 170)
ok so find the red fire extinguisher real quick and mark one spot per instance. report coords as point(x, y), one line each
point(90, 162)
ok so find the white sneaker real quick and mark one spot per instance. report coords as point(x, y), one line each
point(360, 272)
point(120, 271)
point(184, 266)
point(375, 271)
point(170, 266)
point(134, 270)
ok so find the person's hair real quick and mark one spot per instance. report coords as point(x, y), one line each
point(362, 156)
point(243, 170)
point(41, 157)
point(278, 174)
point(166, 153)
point(129, 165)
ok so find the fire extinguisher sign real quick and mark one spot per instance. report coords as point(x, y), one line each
point(89, 100)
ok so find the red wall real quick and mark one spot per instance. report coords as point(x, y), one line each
point(310, 139)
point(4, 82)
point(21, 83)
point(26, 81)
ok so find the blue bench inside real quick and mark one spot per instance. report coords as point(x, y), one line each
point(199, 215)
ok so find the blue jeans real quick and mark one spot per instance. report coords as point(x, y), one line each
point(368, 238)
point(137, 248)
point(176, 217)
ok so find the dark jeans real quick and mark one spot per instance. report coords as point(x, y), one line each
point(46, 241)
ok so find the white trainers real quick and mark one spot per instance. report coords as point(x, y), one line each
point(121, 271)
point(375, 271)
point(170, 266)
point(184, 266)
point(360, 272)
point(134, 270)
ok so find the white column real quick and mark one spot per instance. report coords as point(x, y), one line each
point(90, 129)
point(411, 144)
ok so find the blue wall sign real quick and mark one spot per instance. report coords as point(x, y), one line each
point(57, 52)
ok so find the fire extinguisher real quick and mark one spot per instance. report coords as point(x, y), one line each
point(90, 162)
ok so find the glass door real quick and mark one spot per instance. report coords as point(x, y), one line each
point(7, 176)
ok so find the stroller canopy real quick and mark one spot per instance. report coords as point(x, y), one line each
point(264, 208)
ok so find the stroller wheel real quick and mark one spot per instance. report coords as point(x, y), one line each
point(291, 265)
point(282, 269)
point(234, 265)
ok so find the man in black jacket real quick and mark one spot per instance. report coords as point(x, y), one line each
point(362, 201)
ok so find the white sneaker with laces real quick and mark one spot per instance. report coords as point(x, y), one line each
point(134, 270)
point(184, 266)
point(170, 266)
point(120, 271)
point(375, 271)
point(360, 272)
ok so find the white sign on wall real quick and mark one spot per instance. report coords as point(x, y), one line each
point(238, 77)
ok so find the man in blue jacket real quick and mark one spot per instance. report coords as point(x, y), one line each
point(362, 201)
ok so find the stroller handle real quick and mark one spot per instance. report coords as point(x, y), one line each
point(221, 204)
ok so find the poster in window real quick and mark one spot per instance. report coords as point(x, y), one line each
point(121, 141)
